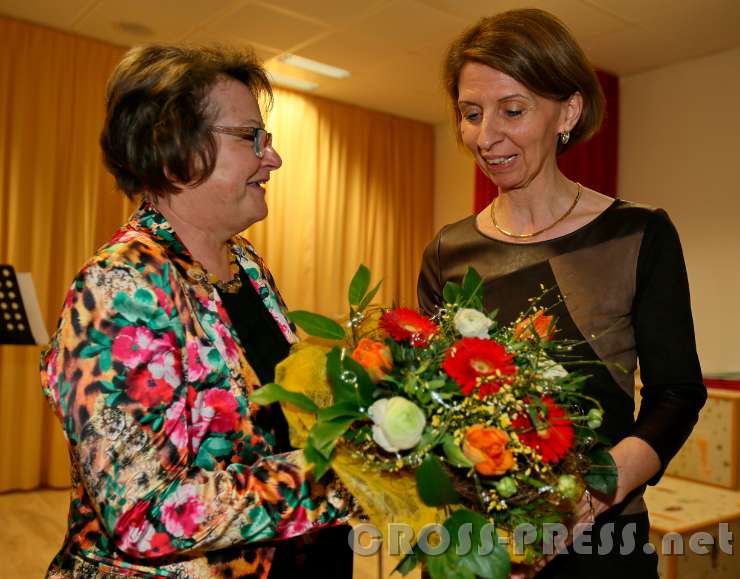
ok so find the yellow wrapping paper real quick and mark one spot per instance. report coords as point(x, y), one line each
point(385, 497)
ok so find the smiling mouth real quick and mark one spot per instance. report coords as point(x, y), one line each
point(258, 183)
point(500, 160)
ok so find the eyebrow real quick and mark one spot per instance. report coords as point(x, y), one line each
point(502, 99)
point(247, 122)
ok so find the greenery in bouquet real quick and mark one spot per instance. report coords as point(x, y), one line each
point(479, 415)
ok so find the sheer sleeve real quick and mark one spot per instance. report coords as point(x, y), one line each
point(673, 392)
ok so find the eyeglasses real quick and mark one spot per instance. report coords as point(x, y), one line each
point(259, 137)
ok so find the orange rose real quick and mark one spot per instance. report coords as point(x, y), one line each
point(374, 357)
point(541, 323)
point(486, 448)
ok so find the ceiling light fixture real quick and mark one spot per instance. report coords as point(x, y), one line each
point(133, 28)
point(291, 82)
point(314, 66)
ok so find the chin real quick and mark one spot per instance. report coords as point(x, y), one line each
point(252, 218)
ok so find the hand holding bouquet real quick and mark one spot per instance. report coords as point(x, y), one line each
point(454, 423)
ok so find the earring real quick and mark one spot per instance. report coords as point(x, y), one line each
point(565, 137)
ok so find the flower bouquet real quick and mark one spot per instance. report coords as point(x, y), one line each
point(457, 427)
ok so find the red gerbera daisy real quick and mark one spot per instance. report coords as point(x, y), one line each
point(553, 439)
point(475, 362)
point(406, 324)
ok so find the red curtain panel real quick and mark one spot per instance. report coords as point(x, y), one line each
point(593, 163)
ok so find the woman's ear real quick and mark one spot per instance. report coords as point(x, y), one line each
point(572, 112)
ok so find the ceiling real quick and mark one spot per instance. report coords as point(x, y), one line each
point(394, 48)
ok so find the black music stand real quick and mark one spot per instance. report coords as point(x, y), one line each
point(20, 316)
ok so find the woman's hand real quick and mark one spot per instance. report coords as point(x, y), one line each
point(588, 507)
point(636, 463)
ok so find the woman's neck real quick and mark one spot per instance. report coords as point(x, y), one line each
point(204, 245)
point(535, 206)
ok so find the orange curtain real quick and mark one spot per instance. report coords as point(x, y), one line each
point(56, 205)
point(356, 186)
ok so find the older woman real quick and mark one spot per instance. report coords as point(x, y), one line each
point(523, 93)
point(167, 330)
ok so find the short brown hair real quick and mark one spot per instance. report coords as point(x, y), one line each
point(536, 49)
point(157, 126)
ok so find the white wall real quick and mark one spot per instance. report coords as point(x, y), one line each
point(680, 149)
point(453, 177)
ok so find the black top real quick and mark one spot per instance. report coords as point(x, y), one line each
point(264, 346)
point(626, 295)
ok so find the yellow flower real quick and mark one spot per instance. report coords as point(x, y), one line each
point(507, 540)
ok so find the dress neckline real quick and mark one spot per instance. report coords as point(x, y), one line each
point(554, 239)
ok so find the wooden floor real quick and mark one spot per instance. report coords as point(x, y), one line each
point(32, 527)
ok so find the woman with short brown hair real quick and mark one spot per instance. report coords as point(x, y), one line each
point(165, 333)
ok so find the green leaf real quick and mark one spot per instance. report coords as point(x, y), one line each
point(494, 565)
point(602, 478)
point(359, 284)
point(433, 483)
point(451, 292)
point(317, 325)
point(407, 564)
point(369, 297)
point(455, 454)
point(270, 393)
point(472, 288)
point(364, 387)
point(462, 517)
point(447, 565)
point(343, 409)
point(428, 437)
point(349, 380)
point(334, 369)
point(320, 463)
point(324, 435)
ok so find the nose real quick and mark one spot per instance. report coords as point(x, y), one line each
point(490, 132)
point(271, 159)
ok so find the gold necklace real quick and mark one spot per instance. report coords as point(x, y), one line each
point(232, 285)
point(540, 231)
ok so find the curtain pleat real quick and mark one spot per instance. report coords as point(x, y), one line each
point(355, 187)
point(57, 204)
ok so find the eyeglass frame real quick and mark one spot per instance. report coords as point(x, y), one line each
point(252, 134)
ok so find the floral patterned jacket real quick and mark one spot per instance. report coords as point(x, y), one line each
point(170, 476)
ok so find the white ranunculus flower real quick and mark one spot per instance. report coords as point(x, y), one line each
point(551, 370)
point(398, 423)
point(472, 323)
